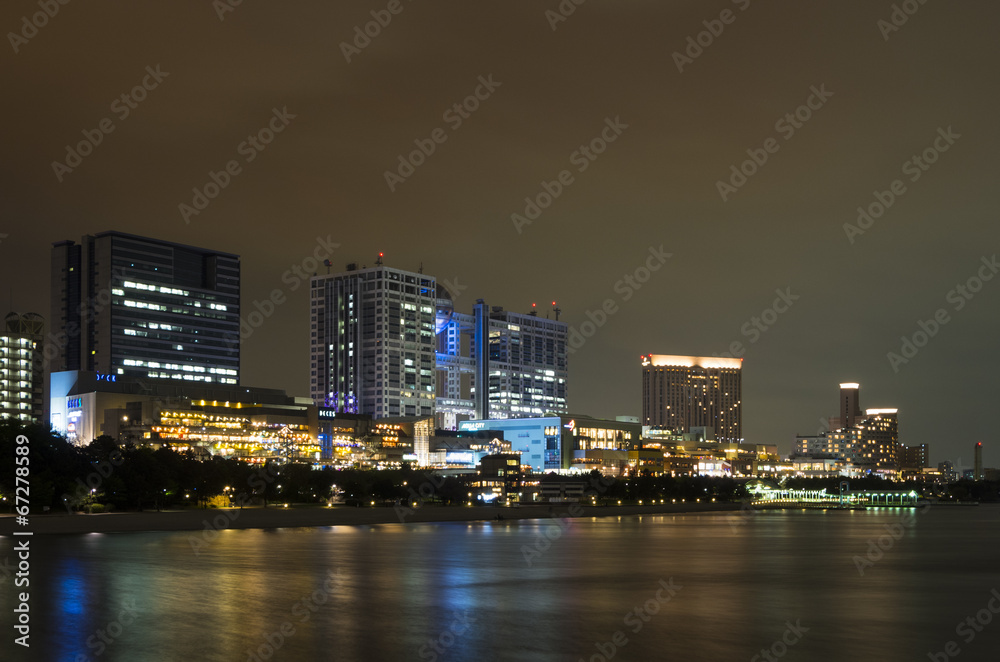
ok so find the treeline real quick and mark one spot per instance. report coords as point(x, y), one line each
point(108, 475)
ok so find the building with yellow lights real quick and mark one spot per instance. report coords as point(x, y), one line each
point(682, 392)
point(251, 424)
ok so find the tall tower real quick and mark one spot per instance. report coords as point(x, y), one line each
point(681, 392)
point(125, 305)
point(372, 342)
point(850, 407)
point(21, 367)
point(977, 471)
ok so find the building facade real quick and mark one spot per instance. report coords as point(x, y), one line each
point(880, 439)
point(22, 368)
point(521, 359)
point(553, 443)
point(251, 424)
point(372, 341)
point(681, 392)
point(915, 457)
point(130, 306)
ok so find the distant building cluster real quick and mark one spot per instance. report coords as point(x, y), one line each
point(144, 347)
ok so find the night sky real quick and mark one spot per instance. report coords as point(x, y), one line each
point(884, 96)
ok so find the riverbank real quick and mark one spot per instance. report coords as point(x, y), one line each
point(308, 516)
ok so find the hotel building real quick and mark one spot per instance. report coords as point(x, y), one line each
point(682, 392)
point(128, 306)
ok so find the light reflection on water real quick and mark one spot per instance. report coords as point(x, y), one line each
point(385, 592)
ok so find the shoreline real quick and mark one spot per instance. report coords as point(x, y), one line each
point(277, 517)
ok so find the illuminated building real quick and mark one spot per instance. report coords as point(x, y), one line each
point(129, 306)
point(915, 457)
point(880, 439)
point(870, 443)
point(372, 344)
point(842, 443)
point(499, 477)
point(564, 442)
point(251, 424)
point(521, 358)
point(850, 406)
point(977, 470)
point(681, 392)
point(21, 368)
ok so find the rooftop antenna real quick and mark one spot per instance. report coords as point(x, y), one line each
point(378, 262)
point(556, 310)
point(327, 264)
point(534, 310)
point(421, 269)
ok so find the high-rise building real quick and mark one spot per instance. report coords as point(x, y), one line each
point(915, 457)
point(521, 359)
point(977, 470)
point(372, 341)
point(124, 305)
point(880, 439)
point(850, 405)
point(21, 367)
point(681, 392)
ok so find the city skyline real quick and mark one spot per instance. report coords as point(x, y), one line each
point(642, 240)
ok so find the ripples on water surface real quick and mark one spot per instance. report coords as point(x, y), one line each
point(468, 586)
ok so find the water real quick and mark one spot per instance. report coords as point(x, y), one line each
point(386, 592)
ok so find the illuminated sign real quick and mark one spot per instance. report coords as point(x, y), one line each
point(328, 413)
point(74, 403)
point(106, 378)
point(472, 425)
point(571, 425)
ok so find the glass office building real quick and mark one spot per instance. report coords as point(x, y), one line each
point(131, 306)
